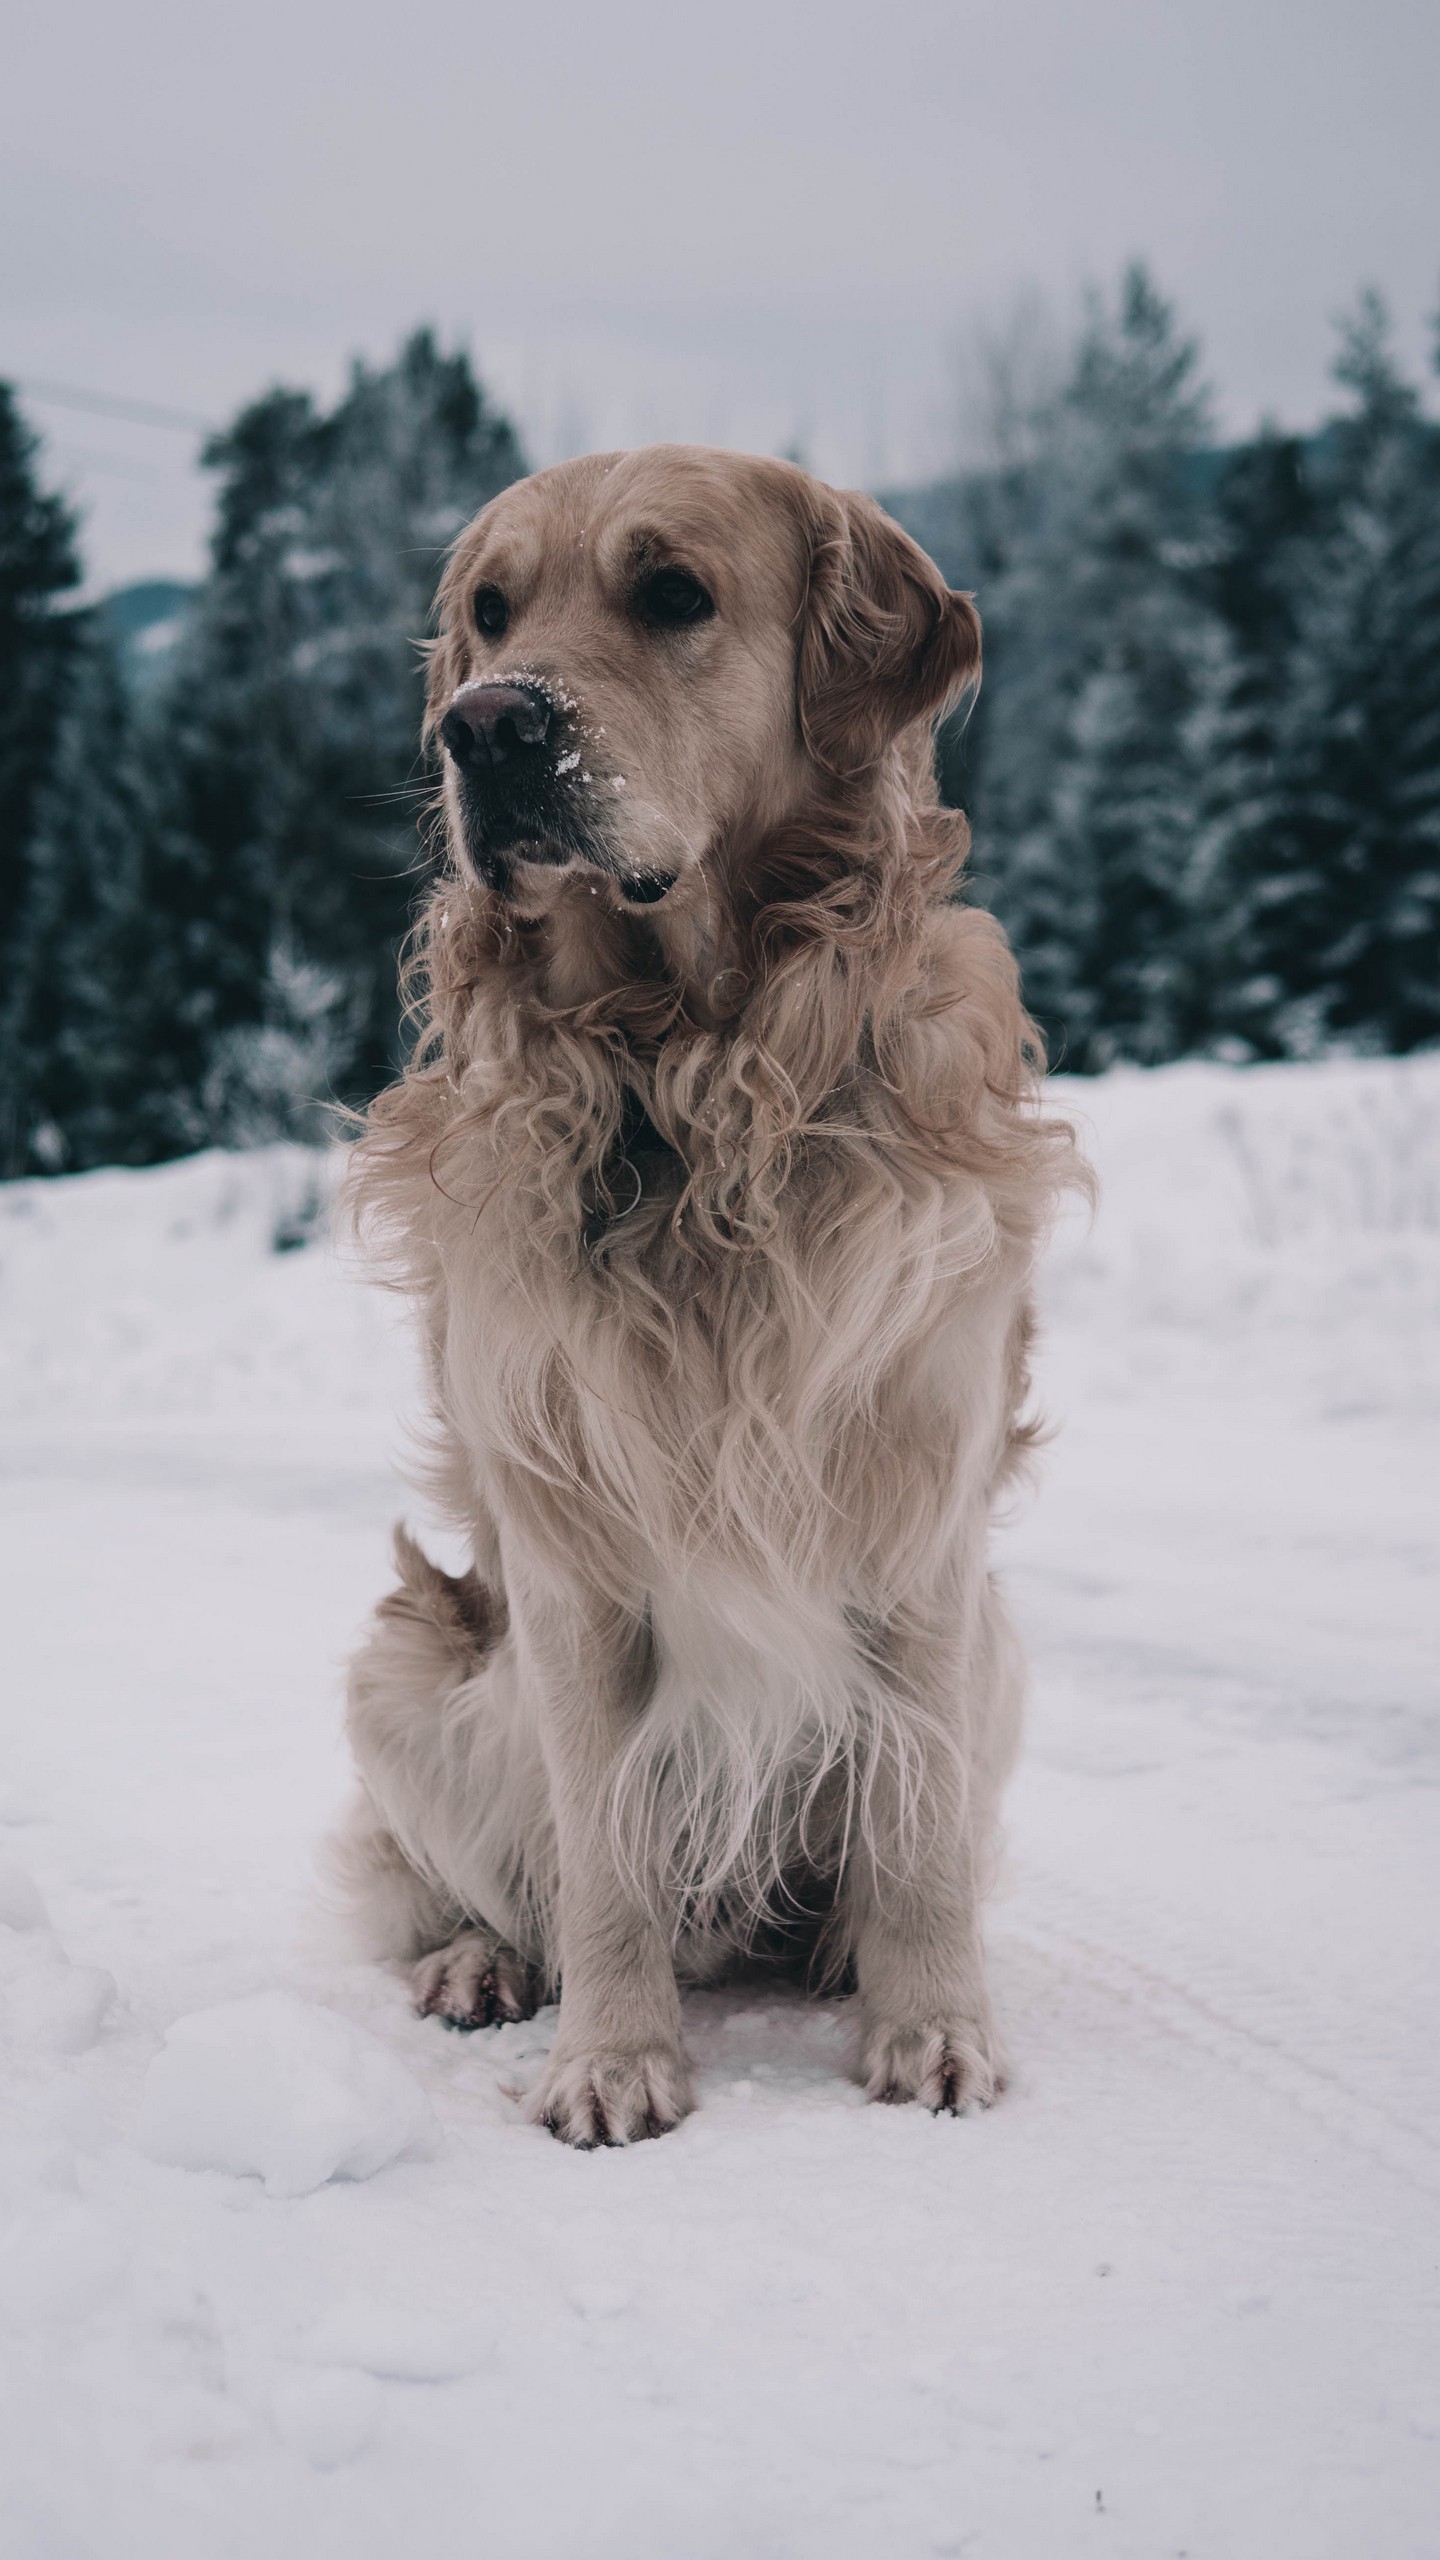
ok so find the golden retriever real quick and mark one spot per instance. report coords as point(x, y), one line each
point(716, 1179)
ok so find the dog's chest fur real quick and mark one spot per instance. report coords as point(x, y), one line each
point(802, 1415)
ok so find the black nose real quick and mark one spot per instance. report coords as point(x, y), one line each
point(495, 724)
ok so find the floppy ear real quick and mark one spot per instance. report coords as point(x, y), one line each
point(883, 641)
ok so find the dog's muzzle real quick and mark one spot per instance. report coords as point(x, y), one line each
point(516, 787)
point(523, 795)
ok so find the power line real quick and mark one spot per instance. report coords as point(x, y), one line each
point(141, 413)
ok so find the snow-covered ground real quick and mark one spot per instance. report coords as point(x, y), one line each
point(1176, 2295)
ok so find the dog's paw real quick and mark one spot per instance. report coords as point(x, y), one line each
point(590, 2099)
point(947, 2066)
point(477, 1981)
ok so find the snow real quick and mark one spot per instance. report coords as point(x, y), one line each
point(1175, 2295)
point(277, 2086)
point(47, 2004)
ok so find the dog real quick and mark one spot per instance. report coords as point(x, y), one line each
point(716, 1180)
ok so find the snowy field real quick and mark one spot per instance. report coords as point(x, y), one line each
point(1175, 2296)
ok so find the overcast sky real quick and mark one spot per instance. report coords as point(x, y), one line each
point(759, 223)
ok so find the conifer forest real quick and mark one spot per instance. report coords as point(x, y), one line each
point(1203, 770)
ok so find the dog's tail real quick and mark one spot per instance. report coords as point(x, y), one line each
point(458, 1608)
point(427, 1638)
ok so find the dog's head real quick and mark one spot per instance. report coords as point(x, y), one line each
point(644, 656)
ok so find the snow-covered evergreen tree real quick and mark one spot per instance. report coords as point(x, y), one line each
point(288, 744)
point(270, 1079)
point(1087, 803)
point(39, 567)
point(1339, 897)
point(1265, 515)
point(91, 1012)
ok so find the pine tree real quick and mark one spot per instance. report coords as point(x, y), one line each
point(1087, 802)
point(38, 640)
point(107, 985)
point(1341, 900)
point(289, 740)
point(1265, 516)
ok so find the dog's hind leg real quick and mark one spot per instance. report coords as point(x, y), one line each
point(391, 1910)
point(438, 1834)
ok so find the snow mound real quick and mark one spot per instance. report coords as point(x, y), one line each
point(396, 2347)
point(47, 2004)
point(21, 1907)
point(275, 2087)
point(54, 2006)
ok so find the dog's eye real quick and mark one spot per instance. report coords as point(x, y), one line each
point(491, 612)
point(668, 598)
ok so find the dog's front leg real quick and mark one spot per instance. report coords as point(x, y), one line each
point(912, 1886)
point(617, 2072)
